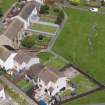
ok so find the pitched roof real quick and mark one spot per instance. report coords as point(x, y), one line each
point(4, 53)
point(48, 75)
point(13, 29)
point(22, 57)
point(27, 10)
point(35, 70)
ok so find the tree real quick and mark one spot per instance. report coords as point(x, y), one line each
point(28, 42)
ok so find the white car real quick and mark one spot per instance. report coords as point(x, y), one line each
point(94, 9)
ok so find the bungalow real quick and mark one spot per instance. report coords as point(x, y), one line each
point(48, 80)
point(2, 93)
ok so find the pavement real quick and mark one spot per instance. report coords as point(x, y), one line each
point(8, 101)
point(18, 91)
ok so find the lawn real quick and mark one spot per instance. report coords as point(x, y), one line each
point(98, 97)
point(48, 19)
point(82, 42)
point(44, 56)
point(56, 64)
point(24, 85)
point(6, 4)
point(44, 28)
point(83, 84)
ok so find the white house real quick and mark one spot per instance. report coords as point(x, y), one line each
point(51, 81)
point(28, 14)
point(23, 60)
point(48, 80)
point(2, 93)
point(16, 60)
point(6, 58)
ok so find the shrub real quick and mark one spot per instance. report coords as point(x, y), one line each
point(44, 9)
point(56, 10)
point(2, 71)
point(103, 3)
point(28, 42)
point(60, 18)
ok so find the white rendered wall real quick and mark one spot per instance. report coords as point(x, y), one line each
point(9, 63)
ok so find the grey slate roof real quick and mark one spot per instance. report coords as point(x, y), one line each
point(48, 75)
point(4, 53)
point(35, 70)
point(13, 29)
point(22, 57)
point(27, 10)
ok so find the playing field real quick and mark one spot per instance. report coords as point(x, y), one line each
point(82, 42)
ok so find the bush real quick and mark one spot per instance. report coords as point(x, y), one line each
point(75, 2)
point(44, 9)
point(56, 10)
point(28, 42)
point(60, 18)
point(2, 71)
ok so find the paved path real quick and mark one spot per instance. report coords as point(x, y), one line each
point(52, 42)
point(8, 101)
point(18, 91)
point(42, 32)
point(47, 23)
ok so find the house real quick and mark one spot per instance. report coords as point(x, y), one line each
point(6, 58)
point(13, 34)
point(29, 13)
point(2, 93)
point(48, 80)
point(16, 60)
point(51, 81)
point(24, 60)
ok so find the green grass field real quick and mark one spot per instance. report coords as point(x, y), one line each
point(73, 43)
point(6, 4)
point(44, 28)
point(44, 56)
point(83, 84)
point(24, 85)
point(56, 64)
point(98, 97)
